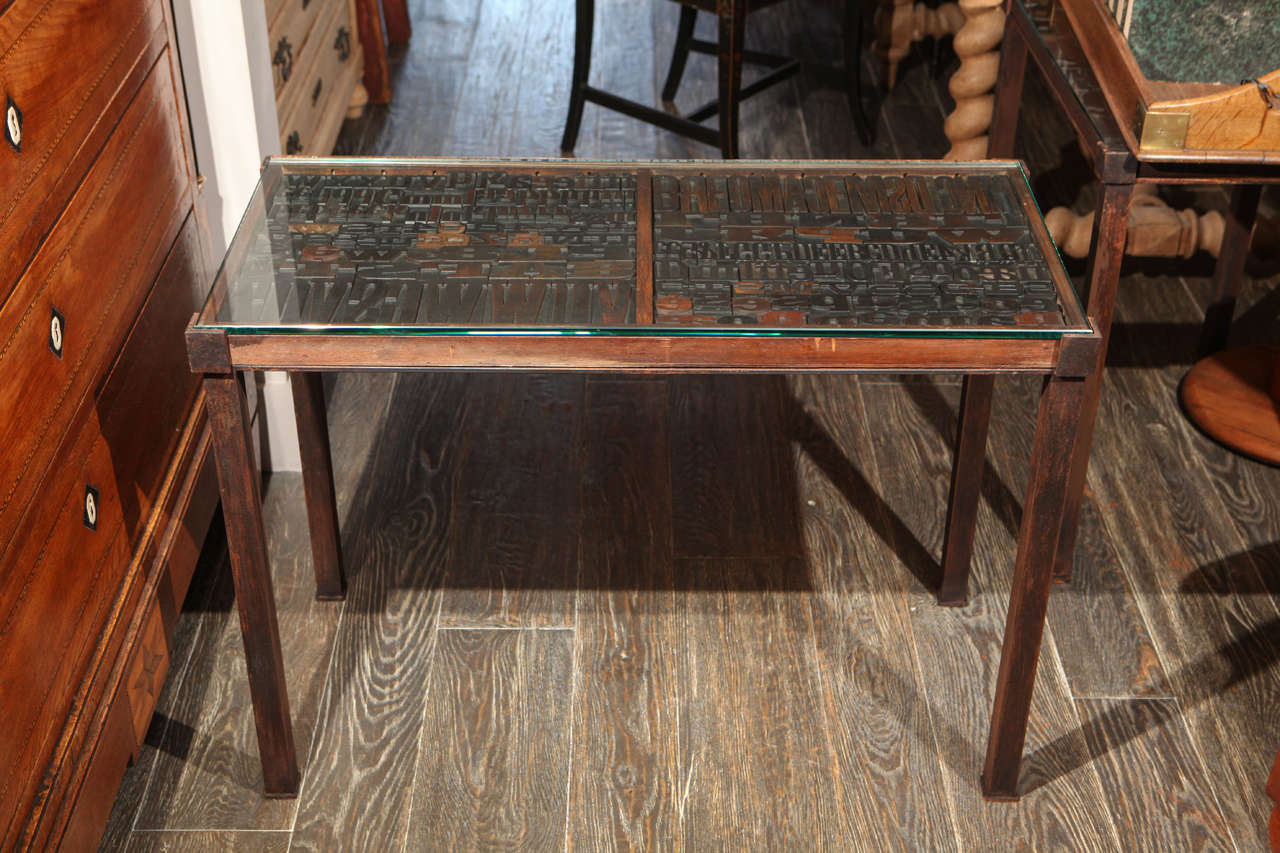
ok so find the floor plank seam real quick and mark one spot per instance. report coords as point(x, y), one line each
point(1141, 601)
point(481, 627)
point(315, 730)
point(573, 696)
point(422, 716)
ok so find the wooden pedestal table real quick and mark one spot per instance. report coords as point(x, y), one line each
point(1234, 396)
point(641, 268)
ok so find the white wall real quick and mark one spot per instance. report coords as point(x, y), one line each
point(226, 67)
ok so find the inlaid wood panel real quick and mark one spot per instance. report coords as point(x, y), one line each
point(59, 113)
point(53, 325)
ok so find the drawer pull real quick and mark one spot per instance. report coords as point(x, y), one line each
point(284, 58)
point(315, 93)
point(342, 43)
point(13, 124)
point(90, 507)
point(57, 332)
point(293, 145)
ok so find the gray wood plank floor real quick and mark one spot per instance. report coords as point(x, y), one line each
point(697, 613)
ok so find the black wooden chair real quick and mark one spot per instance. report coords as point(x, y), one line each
point(730, 53)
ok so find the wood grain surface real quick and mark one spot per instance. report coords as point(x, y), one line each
point(1103, 643)
point(358, 796)
point(626, 788)
point(209, 841)
point(494, 767)
point(748, 616)
point(1187, 524)
point(956, 659)
point(1143, 747)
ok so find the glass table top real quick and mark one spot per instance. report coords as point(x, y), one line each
point(820, 248)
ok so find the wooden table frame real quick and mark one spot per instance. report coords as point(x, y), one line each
point(1065, 362)
point(1083, 98)
point(1065, 355)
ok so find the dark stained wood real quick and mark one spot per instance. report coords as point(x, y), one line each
point(584, 27)
point(953, 649)
point(580, 353)
point(377, 73)
point(1042, 514)
point(255, 597)
point(1109, 227)
point(966, 484)
point(732, 20)
point(183, 638)
point(511, 468)
point(644, 247)
point(1008, 97)
point(626, 784)
point(544, 39)
point(876, 709)
point(512, 571)
point(205, 773)
point(317, 477)
point(494, 767)
point(684, 201)
point(1068, 808)
point(1103, 645)
point(1142, 747)
point(1273, 791)
point(395, 14)
point(1229, 270)
point(708, 462)
point(753, 773)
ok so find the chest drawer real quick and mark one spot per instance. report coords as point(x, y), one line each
point(290, 30)
point(66, 318)
point(312, 116)
point(67, 70)
point(60, 577)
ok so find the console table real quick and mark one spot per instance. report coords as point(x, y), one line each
point(671, 267)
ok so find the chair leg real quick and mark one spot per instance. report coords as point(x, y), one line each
point(680, 53)
point(585, 21)
point(853, 67)
point(732, 33)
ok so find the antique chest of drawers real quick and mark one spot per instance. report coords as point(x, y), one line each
point(315, 65)
point(105, 494)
